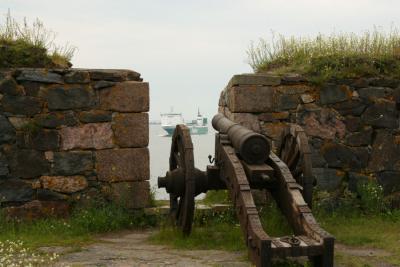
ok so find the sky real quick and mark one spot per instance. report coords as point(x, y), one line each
point(188, 50)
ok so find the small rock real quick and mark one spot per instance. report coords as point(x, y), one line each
point(103, 84)
point(7, 131)
point(10, 87)
point(19, 122)
point(64, 184)
point(77, 77)
point(39, 75)
point(114, 75)
point(306, 98)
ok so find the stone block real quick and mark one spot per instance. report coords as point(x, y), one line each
point(385, 82)
point(274, 116)
point(353, 107)
point(328, 179)
point(46, 195)
point(40, 139)
point(362, 138)
point(242, 99)
point(382, 114)
point(77, 77)
point(346, 158)
point(356, 179)
point(254, 79)
point(103, 84)
point(31, 88)
point(39, 75)
point(125, 97)
point(71, 163)
point(353, 124)
point(38, 209)
point(19, 123)
point(293, 78)
point(128, 164)
point(91, 135)
point(333, 93)
point(26, 163)
point(114, 75)
point(7, 131)
point(372, 93)
point(247, 120)
point(15, 190)
point(132, 195)
point(21, 105)
point(95, 116)
point(390, 181)
point(70, 97)
point(10, 87)
point(3, 166)
point(324, 123)
point(64, 184)
point(274, 132)
point(385, 153)
point(131, 129)
point(56, 119)
point(307, 98)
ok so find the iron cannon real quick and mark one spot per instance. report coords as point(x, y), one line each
point(244, 161)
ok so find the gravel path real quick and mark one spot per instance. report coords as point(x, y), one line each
point(133, 249)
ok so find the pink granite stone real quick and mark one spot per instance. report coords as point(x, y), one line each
point(91, 135)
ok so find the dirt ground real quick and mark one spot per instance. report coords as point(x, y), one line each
point(132, 248)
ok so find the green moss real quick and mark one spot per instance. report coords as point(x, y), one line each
point(24, 45)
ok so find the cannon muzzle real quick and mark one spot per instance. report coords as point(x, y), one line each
point(253, 147)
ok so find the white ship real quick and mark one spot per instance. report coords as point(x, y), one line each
point(171, 119)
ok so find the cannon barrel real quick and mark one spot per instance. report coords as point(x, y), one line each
point(253, 147)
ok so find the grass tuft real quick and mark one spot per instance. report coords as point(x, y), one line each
point(342, 55)
point(31, 45)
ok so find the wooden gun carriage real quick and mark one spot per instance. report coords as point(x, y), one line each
point(244, 161)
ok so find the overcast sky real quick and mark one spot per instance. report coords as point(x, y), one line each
point(187, 50)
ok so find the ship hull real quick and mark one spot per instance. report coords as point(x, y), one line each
point(194, 130)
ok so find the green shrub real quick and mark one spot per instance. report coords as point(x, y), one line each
point(24, 45)
point(343, 55)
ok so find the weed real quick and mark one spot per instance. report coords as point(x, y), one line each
point(24, 45)
point(343, 55)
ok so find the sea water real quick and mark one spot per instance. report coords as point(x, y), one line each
point(160, 146)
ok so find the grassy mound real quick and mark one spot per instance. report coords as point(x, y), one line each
point(344, 55)
point(24, 45)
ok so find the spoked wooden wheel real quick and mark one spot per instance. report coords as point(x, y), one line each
point(181, 157)
point(295, 152)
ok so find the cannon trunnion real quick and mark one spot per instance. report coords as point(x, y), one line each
point(244, 161)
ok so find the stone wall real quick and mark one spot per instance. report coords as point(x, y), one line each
point(73, 135)
point(352, 125)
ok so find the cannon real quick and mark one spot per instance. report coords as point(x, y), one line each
point(244, 161)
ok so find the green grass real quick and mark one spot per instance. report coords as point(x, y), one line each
point(25, 45)
point(80, 228)
point(342, 55)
